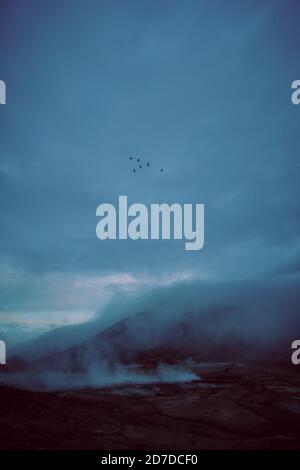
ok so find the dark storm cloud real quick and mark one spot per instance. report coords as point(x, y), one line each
point(201, 88)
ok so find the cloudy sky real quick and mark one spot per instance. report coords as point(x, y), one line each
point(200, 88)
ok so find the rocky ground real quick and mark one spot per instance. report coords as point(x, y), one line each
point(231, 407)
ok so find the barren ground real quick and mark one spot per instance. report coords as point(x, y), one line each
point(243, 407)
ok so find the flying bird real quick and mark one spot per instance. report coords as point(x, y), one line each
point(141, 166)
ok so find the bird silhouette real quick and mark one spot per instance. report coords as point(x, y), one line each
point(140, 166)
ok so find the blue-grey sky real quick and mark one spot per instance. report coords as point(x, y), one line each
point(200, 88)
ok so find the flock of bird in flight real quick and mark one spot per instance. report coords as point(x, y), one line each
point(140, 166)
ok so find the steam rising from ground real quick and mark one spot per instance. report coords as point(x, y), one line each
point(215, 322)
point(97, 377)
